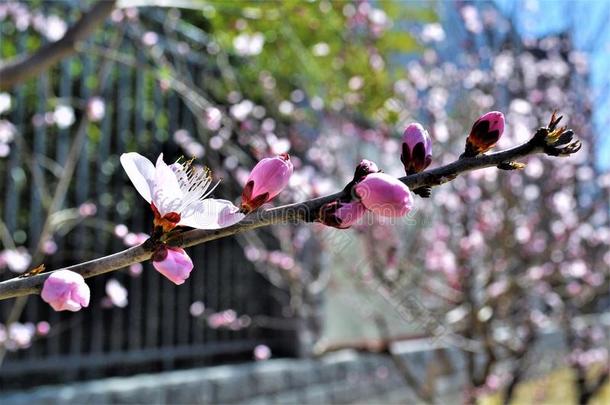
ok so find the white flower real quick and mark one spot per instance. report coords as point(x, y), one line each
point(64, 116)
point(5, 102)
point(17, 260)
point(178, 194)
point(116, 293)
point(249, 45)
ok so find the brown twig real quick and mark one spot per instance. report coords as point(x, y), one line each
point(23, 67)
point(306, 211)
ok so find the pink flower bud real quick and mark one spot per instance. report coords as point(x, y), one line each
point(173, 263)
point(416, 148)
point(384, 195)
point(66, 290)
point(485, 133)
point(340, 214)
point(268, 178)
point(364, 167)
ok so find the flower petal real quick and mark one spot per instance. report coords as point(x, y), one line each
point(210, 214)
point(166, 194)
point(140, 171)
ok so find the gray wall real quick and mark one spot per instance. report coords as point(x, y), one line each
point(342, 377)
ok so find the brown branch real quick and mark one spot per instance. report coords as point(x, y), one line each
point(594, 387)
point(23, 67)
point(306, 211)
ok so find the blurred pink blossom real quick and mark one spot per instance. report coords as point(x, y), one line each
point(43, 328)
point(134, 239)
point(17, 260)
point(262, 352)
point(96, 109)
point(116, 293)
point(121, 230)
point(150, 38)
point(49, 247)
point(197, 308)
point(87, 209)
point(20, 335)
point(136, 269)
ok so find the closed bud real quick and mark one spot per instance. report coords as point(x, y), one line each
point(384, 195)
point(341, 215)
point(416, 148)
point(173, 263)
point(268, 178)
point(66, 290)
point(364, 167)
point(484, 134)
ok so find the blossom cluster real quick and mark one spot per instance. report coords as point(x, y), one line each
point(180, 196)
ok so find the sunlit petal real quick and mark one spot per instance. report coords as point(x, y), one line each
point(210, 214)
point(167, 195)
point(140, 171)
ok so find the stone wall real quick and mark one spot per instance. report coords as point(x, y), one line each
point(342, 377)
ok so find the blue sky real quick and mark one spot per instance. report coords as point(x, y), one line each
point(589, 22)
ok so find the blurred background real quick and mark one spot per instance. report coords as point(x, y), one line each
point(496, 289)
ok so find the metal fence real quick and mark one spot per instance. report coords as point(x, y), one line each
point(156, 330)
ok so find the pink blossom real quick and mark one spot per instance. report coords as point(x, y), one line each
point(136, 269)
point(497, 288)
point(179, 194)
point(87, 209)
point(213, 118)
point(116, 293)
point(364, 167)
point(20, 335)
point(267, 179)
point(197, 308)
point(43, 328)
point(493, 382)
point(341, 215)
point(222, 319)
point(485, 133)
point(66, 290)
point(215, 321)
point(173, 263)
point(96, 109)
point(17, 260)
point(7, 131)
point(573, 288)
point(416, 148)
point(49, 247)
point(262, 352)
point(134, 239)
point(150, 38)
point(384, 195)
point(121, 230)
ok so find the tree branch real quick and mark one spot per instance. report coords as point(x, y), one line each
point(307, 211)
point(23, 67)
